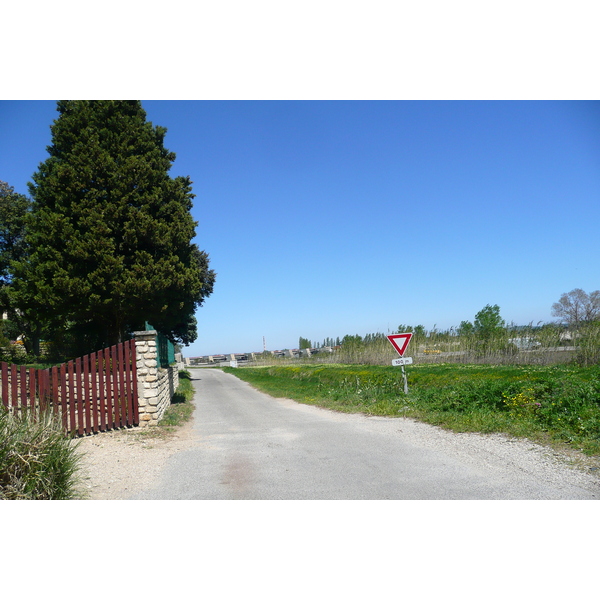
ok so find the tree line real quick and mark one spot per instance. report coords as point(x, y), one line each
point(104, 244)
point(578, 316)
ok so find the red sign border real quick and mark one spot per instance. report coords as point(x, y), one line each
point(400, 350)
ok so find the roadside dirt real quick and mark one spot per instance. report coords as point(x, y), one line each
point(118, 464)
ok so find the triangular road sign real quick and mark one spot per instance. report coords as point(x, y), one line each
point(400, 341)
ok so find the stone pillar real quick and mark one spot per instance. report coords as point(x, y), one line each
point(156, 386)
point(147, 374)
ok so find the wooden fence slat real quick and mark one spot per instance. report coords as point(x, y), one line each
point(101, 387)
point(109, 397)
point(121, 382)
point(93, 394)
point(32, 389)
point(23, 384)
point(40, 384)
point(48, 392)
point(55, 388)
point(42, 388)
point(79, 394)
point(4, 367)
point(63, 396)
point(121, 376)
point(13, 387)
point(115, 385)
point(86, 393)
point(71, 387)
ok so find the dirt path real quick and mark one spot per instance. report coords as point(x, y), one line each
point(118, 464)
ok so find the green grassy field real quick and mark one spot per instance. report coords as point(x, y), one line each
point(551, 404)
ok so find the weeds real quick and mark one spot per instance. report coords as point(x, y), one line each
point(181, 408)
point(37, 461)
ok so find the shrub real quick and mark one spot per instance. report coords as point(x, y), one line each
point(37, 460)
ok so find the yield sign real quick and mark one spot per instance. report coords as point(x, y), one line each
point(400, 341)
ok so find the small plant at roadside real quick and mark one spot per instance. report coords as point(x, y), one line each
point(37, 460)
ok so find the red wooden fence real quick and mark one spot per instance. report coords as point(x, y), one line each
point(96, 392)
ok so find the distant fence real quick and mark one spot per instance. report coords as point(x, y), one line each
point(96, 392)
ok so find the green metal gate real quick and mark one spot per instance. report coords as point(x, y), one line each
point(164, 348)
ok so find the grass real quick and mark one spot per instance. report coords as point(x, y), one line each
point(37, 461)
point(557, 404)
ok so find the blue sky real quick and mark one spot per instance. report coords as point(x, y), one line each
point(326, 218)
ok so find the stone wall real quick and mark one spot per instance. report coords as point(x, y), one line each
point(156, 386)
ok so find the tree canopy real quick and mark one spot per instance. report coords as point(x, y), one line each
point(304, 343)
point(577, 306)
point(109, 235)
point(13, 208)
point(488, 322)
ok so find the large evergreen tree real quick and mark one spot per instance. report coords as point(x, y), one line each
point(13, 208)
point(110, 233)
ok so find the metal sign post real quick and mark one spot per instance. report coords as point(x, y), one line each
point(405, 382)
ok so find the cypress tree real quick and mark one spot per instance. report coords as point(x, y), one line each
point(109, 236)
point(13, 208)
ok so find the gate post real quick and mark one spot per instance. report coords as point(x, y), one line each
point(156, 386)
point(147, 376)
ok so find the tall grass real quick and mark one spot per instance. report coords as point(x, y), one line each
point(588, 344)
point(37, 461)
point(530, 345)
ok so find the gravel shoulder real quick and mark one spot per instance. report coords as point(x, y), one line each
point(527, 461)
point(117, 464)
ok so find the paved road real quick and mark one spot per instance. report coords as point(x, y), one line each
point(252, 446)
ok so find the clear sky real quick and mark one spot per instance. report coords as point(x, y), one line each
point(326, 218)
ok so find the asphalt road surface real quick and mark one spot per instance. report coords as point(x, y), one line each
point(252, 446)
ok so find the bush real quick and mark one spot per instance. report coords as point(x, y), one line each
point(37, 460)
